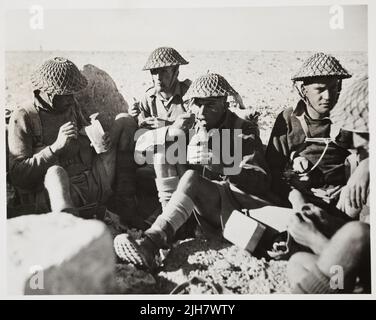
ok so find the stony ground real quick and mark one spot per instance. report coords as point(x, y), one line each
point(263, 81)
point(204, 265)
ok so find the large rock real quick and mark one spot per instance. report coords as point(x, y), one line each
point(57, 253)
point(101, 95)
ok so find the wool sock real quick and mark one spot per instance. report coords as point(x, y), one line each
point(166, 187)
point(316, 282)
point(174, 215)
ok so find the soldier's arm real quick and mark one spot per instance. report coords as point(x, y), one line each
point(253, 176)
point(144, 111)
point(277, 156)
point(27, 169)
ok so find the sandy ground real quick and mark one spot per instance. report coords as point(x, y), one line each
point(263, 81)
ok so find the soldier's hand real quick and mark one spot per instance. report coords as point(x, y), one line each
point(304, 232)
point(67, 132)
point(134, 110)
point(358, 185)
point(199, 155)
point(300, 164)
point(182, 124)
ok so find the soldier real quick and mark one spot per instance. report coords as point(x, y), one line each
point(160, 106)
point(306, 163)
point(162, 102)
point(349, 247)
point(202, 181)
point(49, 147)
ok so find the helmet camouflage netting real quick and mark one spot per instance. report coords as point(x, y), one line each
point(321, 65)
point(210, 85)
point(351, 111)
point(58, 76)
point(164, 57)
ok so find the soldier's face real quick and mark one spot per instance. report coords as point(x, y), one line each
point(322, 94)
point(164, 78)
point(209, 111)
point(62, 103)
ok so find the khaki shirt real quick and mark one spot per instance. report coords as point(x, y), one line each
point(154, 105)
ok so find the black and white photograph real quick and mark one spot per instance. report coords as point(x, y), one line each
point(175, 148)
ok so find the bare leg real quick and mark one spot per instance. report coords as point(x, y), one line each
point(346, 257)
point(349, 249)
point(192, 187)
point(167, 177)
point(204, 194)
point(299, 266)
point(57, 184)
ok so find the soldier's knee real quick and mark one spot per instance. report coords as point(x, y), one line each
point(55, 174)
point(299, 265)
point(189, 181)
point(125, 120)
point(55, 170)
point(356, 232)
point(123, 131)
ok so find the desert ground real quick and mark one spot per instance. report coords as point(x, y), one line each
point(263, 81)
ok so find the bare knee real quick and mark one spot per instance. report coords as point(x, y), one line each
point(56, 173)
point(123, 131)
point(125, 121)
point(299, 266)
point(355, 233)
point(189, 183)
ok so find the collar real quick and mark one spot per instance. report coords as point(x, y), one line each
point(41, 104)
point(177, 92)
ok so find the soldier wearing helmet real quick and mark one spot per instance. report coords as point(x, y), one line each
point(306, 163)
point(201, 181)
point(49, 149)
point(351, 115)
point(163, 101)
point(347, 246)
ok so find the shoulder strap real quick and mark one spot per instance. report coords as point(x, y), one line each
point(153, 106)
point(304, 125)
point(36, 125)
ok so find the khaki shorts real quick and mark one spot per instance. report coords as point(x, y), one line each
point(232, 199)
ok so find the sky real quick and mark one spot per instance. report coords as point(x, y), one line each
point(142, 29)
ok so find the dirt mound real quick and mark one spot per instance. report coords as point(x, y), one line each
point(101, 95)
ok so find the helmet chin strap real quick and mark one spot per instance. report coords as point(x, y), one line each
point(302, 96)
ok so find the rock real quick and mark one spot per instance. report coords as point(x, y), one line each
point(101, 95)
point(131, 280)
point(57, 253)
